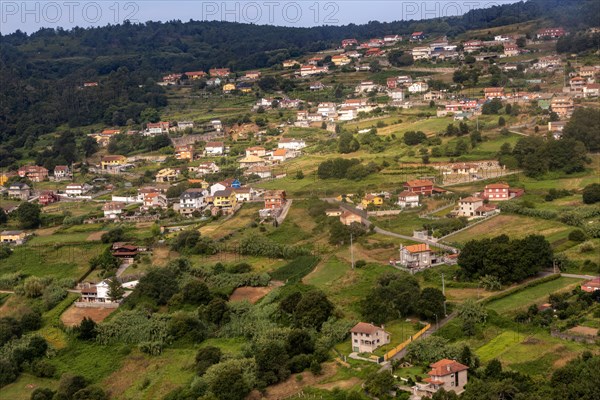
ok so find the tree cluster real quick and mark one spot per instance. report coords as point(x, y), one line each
point(506, 259)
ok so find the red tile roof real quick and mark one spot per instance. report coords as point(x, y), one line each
point(446, 367)
point(363, 327)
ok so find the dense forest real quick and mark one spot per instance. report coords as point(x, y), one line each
point(41, 74)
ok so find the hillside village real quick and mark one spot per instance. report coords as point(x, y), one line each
point(374, 220)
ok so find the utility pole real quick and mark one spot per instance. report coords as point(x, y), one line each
point(444, 293)
point(351, 251)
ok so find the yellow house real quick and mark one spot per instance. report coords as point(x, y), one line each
point(372, 199)
point(340, 60)
point(228, 87)
point(167, 175)
point(108, 162)
point(3, 179)
point(17, 237)
point(224, 198)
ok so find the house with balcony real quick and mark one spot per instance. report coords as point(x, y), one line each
point(274, 199)
point(416, 256)
point(62, 172)
point(449, 375)
point(407, 199)
point(419, 186)
point(34, 173)
point(367, 337)
point(191, 200)
point(225, 199)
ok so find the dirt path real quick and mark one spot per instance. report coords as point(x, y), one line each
point(293, 385)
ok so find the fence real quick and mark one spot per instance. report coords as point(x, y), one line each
point(403, 345)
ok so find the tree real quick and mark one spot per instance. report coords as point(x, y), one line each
point(379, 385)
point(267, 83)
point(69, 384)
point(471, 313)
point(149, 115)
point(105, 261)
point(114, 235)
point(159, 284)
point(3, 216)
point(216, 311)
point(271, 361)
point(591, 193)
point(431, 304)
point(28, 215)
point(313, 309)
point(90, 393)
point(87, 329)
point(347, 143)
point(412, 138)
point(232, 379)
point(501, 121)
point(492, 107)
point(115, 290)
point(468, 358)
point(207, 357)
point(42, 394)
point(196, 292)
point(443, 395)
point(89, 146)
point(584, 126)
point(394, 295)
point(299, 174)
point(399, 58)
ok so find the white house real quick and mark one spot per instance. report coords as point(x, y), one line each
point(408, 199)
point(205, 168)
point(418, 87)
point(154, 200)
point(98, 293)
point(421, 53)
point(326, 109)
point(397, 94)
point(113, 209)
point(415, 256)
point(347, 113)
point(191, 200)
point(214, 148)
point(367, 337)
point(366, 86)
point(76, 190)
point(291, 144)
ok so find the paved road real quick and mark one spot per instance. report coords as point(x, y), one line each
point(368, 223)
point(589, 277)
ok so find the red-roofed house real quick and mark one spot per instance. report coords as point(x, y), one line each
point(222, 72)
point(551, 33)
point(420, 186)
point(349, 42)
point(415, 256)
point(417, 36)
point(493, 93)
point(497, 192)
point(348, 218)
point(591, 286)
point(33, 172)
point(47, 197)
point(193, 75)
point(367, 337)
point(449, 375)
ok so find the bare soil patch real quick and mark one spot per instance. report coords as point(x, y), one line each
point(95, 236)
point(47, 231)
point(252, 294)
point(292, 385)
point(74, 315)
point(584, 330)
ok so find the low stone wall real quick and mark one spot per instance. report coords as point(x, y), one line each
point(575, 338)
point(84, 304)
point(383, 213)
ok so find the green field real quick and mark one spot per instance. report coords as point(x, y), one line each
point(532, 295)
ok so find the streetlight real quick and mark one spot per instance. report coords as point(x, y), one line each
point(437, 325)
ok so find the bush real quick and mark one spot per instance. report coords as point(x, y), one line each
point(42, 369)
point(591, 193)
point(577, 235)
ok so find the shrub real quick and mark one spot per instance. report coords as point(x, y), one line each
point(42, 369)
point(577, 235)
